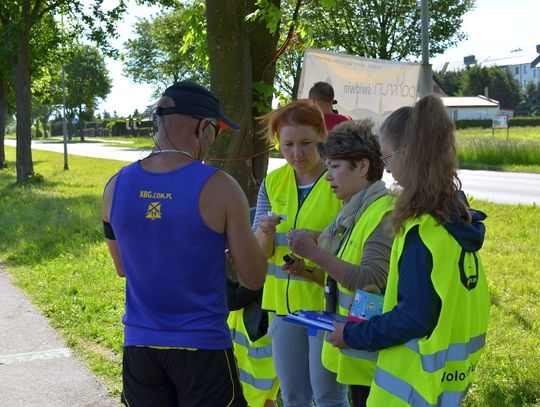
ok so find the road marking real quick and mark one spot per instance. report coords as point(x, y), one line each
point(38, 355)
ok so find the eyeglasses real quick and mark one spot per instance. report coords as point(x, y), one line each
point(385, 157)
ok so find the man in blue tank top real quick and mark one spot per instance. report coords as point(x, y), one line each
point(168, 219)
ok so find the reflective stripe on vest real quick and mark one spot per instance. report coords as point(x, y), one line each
point(278, 272)
point(280, 239)
point(261, 384)
point(345, 300)
point(405, 392)
point(257, 352)
point(454, 352)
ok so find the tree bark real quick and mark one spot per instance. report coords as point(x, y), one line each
point(45, 125)
point(263, 49)
point(21, 80)
point(3, 121)
point(239, 56)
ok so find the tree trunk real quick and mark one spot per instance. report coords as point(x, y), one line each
point(264, 46)
point(3, 121)
point(21, 80)
point(239, 54)
point(45, 125)
point(296, 78)
point(37, 129)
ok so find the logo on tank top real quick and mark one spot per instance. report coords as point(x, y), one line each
point(154, 211)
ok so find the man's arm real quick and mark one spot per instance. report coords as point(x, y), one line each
point(106, 211)
point(224, 207)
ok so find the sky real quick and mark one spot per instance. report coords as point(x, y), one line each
point(494, 28)
point(126, 96)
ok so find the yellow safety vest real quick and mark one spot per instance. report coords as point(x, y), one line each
point(284, 293)
point(436, 370)
point(355, 366)
point(254, 360)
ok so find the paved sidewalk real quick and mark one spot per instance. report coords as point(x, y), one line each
point(36, 366)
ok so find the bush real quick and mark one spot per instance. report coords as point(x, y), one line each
point(118, 128)
point(465, 124)
point(524, 121)
point(487, 123)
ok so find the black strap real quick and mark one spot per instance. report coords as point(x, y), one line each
point(108, 231)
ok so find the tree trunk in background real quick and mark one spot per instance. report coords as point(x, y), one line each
point(240, 54)
point(263, 59)
point(21, 81)
point(296, 78)
point(3, 121)
point(45, 125)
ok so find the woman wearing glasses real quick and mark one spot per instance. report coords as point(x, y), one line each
point(436, 306)
point(297, 195)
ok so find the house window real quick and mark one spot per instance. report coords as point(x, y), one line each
point(534, 73)
point(524, 68)
point(516, 70)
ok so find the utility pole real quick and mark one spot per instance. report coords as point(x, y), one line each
point(64, 123)
point(426, 87)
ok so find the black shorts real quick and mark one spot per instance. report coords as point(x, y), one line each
point(180, 377)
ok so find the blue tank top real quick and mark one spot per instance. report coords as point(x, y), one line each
point(174, 263)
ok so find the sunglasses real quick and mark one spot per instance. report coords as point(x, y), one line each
point(212, 122)
point(217, 128)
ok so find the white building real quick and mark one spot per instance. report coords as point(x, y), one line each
point(471, 107)
point(523, 65)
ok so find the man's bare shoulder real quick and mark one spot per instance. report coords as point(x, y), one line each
point(221, 182)
point(109, 186)
point(107, 197)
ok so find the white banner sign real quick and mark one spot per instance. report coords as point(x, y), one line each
point(364, 88)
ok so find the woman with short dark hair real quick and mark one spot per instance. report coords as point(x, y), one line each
point(354, 249)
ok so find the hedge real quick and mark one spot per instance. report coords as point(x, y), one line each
point(111, 127)
point(487, 123)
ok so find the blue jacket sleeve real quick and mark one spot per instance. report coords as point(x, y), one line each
point(417, 310)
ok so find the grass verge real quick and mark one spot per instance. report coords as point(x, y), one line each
point(482, 149)
point(52, 245)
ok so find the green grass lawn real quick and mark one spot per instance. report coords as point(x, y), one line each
point(482, 149)
point(514, 133)
point(51, 243)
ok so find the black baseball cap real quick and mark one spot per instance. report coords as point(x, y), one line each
point(194, 100)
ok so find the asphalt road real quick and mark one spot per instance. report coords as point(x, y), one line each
point(494, 186)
